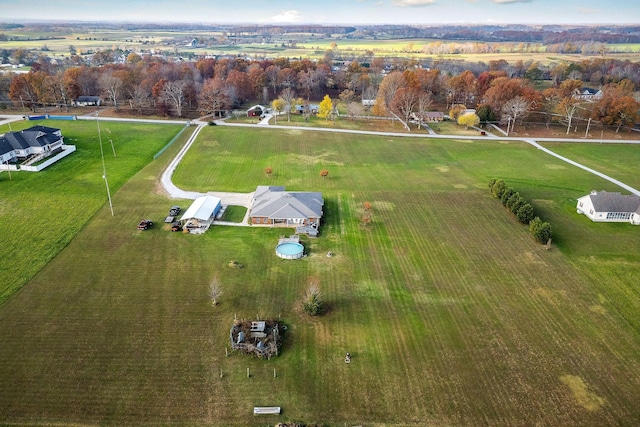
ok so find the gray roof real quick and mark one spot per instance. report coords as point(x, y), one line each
point(275, 203)
point(36, 136)
point(604, 201)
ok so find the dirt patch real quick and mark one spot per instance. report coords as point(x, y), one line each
point(585, 398)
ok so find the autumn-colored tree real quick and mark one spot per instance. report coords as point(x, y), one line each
point(324, 173)
point(504, 89)
point(347, 96)
point(388, 88)
point(24, 89)
point(213, 98)
point(485, 79)
point(469, 119)
point(456, 111)
point(278, 107)
point(325, 108)
point(616, 107)
point(258, 79)
point(462, 87)
point(268, 170)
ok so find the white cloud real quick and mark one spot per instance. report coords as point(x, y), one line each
point(287, 16)
point(412, 3)
point(511, 1)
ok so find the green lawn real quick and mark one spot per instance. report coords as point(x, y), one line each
point(42, 211)
point(453, 315)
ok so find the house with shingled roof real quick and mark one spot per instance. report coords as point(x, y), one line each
point(275, 207)
point(38, 141)
point(587, 94)
point(603, 206)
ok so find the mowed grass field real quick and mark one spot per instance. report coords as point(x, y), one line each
point(453, 315)
point(41, 212)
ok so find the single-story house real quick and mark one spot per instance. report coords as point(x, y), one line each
point(429, 116)
point(200, 215)
point(587, 94)
point(37, 140)
point(276, 207)
point(602, 206)
point(88, 101)
point(313, 108)
point(255, 111)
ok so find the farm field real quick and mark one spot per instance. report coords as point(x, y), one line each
point(58, 43)
point(452, 314)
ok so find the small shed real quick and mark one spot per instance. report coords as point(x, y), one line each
point(201, 213)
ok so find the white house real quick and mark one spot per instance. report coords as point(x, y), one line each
point(602, 206)
point(587, 94)
point(200, 215)
point(37, 140)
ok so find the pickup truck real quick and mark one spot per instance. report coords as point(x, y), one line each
point(145, 224)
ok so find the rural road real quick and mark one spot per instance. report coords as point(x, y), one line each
point(244, 199)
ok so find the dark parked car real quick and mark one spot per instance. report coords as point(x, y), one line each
point(145, 224)
point(174, 211)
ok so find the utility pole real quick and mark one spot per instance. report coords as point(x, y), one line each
point(104, 169)
point(586, 134)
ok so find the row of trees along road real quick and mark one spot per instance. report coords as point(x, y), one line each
point(212, 87)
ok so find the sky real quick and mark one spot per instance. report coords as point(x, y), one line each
point(344, 12)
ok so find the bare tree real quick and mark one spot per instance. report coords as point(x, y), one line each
point(112, 87)
point(404, 102)
point(215, 290)
point(355, 109)
point(288, 96)
point(272, 74)
point(567, 108)
point(514, 109)
point(139, 97)
point(422, 107)
point(173, 94)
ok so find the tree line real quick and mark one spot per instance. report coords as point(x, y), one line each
point(499, 91)
point(522, 210)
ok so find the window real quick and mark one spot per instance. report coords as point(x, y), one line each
point(618, 215)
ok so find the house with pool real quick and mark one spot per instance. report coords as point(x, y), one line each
point(273, 206)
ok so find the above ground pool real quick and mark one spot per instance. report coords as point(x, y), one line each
point(289, 250)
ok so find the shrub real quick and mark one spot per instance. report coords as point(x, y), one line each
point(506, 194)
point(313, 304)
point(541, 231)
point(525, 213)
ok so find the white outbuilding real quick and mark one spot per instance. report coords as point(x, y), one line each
point(603, 206)
point(200, 215)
